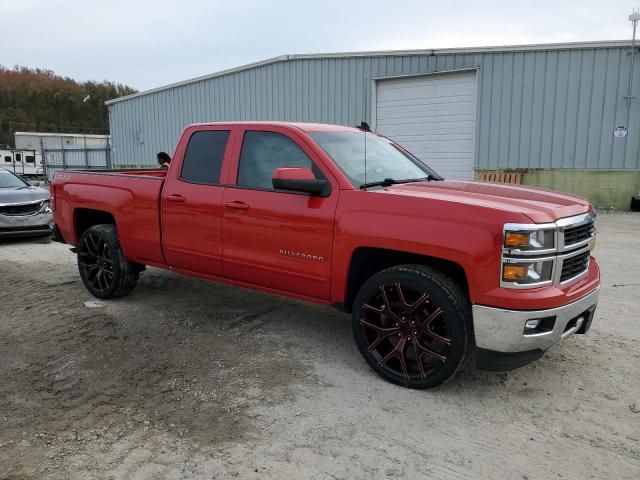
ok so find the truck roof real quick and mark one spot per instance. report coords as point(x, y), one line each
point(307, 127)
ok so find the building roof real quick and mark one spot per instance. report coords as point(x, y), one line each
point(48, 134)
point(442, 51)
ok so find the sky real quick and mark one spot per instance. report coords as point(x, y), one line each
point(150, 43)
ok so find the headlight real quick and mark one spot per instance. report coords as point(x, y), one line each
point(529, 240)
point(45, 207)
point(526, 255)
point(520, 272)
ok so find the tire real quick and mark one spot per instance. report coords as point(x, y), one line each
point(104, 269)
point(422, 354)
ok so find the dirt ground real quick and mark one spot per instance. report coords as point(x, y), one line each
point(190, 379)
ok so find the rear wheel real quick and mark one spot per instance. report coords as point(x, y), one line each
point(411, 324)
point(104, 269)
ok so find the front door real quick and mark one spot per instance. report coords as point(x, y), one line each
point(275, 239)
point(192, 203)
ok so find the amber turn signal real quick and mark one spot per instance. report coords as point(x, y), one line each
point(516, 239)
point(514, 272)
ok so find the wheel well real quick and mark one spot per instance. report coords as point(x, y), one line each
point(85, 218)
point(367, 261)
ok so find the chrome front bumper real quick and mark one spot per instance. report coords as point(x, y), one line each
point(501, 330)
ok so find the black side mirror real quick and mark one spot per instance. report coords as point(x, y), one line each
point(299, 179)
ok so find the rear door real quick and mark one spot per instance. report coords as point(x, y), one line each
point(192, 201)
point(275, 239)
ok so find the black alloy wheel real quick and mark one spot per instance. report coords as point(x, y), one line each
point(411, 324)
point(104, 269)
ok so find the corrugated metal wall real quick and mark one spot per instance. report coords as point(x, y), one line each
point(536, 109)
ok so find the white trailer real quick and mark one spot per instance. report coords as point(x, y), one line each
point(65, 150)
point(27, 163)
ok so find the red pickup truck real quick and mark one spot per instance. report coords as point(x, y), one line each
point(433, 271)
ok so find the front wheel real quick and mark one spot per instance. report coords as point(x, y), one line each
point(104, 269)
point(411, 324)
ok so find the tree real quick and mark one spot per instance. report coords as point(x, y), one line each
point(32, 99)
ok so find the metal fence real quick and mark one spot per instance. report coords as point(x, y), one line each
point(75, 157)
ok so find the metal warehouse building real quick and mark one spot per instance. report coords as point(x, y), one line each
point(560, 114)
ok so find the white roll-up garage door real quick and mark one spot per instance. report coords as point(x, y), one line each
point(432, 116)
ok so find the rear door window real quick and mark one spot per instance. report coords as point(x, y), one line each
point(203, 159)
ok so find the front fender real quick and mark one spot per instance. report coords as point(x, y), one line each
point(467, 235)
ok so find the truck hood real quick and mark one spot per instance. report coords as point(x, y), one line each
point(539, 204)
point(24, 194)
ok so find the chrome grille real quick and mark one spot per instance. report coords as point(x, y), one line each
point(578, 234)
point(15, 210)
point(574, 266)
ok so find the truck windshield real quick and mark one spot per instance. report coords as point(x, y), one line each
point(384, 159)
point(9, 180)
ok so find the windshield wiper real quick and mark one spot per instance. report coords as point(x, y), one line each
point(387, 182)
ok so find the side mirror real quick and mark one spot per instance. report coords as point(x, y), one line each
point(300, 179)
point(34, 183)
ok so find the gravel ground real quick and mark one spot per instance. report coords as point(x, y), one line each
point(190, 379)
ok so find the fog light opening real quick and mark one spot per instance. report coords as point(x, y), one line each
point(531, 325)
point(535, 326)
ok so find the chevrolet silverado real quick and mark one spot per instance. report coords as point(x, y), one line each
point(434, 272)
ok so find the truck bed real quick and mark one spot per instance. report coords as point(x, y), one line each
point(138, 172)
point(131, 197)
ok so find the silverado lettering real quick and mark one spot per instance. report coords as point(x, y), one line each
point(301, 255)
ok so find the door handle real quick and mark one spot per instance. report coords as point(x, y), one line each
point(175, 198)
point(237, 205)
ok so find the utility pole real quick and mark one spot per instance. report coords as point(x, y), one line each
point(633, 18)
